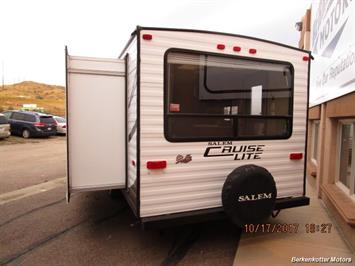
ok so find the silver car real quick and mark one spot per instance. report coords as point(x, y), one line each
point(4, 127)
point(61, 125)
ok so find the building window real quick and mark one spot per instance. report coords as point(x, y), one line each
point(214, 97)
point(315, 140)
point(346, 163)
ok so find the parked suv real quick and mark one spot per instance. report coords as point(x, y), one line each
point(31, 124)
point(4, 127)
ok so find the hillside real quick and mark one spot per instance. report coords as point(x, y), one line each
point(50, 97)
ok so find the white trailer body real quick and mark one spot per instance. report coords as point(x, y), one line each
point(194, 106)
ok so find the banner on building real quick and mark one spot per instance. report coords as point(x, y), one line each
point(333, 48)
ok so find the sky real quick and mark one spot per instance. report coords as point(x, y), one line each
point(35, 32)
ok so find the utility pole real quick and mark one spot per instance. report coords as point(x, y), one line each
point(3, 74)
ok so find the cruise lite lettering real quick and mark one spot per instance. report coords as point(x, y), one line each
point(238, 152)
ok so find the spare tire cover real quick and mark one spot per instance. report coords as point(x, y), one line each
point(249, 194)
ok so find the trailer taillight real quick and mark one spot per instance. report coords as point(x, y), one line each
point(296, 156)
point(252, 51)
point(152, 165)
point(221, 46)
point(306, 58)
point(237, 48)
point(147, 37)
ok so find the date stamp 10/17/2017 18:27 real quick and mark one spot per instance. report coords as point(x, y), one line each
point(324, 228)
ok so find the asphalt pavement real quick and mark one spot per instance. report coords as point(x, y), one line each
point(38, 227)
point(94, 229)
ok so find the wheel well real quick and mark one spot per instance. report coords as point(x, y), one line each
point(26, 128)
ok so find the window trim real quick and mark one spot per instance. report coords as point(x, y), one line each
point(350, 192)
point(314, 123)
point(203, 139)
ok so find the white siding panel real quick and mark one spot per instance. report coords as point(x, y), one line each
point(132, 111)
point(197, 185)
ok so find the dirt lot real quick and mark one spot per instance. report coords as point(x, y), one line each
point(17, 140)
point(26, 162)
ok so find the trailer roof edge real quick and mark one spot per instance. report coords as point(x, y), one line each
point(221, 33)
point(133, 35)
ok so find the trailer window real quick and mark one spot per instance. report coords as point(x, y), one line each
point(211, 97)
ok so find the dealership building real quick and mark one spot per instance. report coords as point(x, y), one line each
point(328, 30)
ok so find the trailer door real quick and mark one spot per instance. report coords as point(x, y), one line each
point(96, 135)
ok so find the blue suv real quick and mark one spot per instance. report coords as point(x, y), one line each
point(31, 124)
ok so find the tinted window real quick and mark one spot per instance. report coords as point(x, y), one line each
point(47, 119)
point(214, 97)
point(7, 114)
point(18, 116)
point(3, 120)
point(29, 118)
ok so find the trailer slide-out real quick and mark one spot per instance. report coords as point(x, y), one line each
point(190, 122)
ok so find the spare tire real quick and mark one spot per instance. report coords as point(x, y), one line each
point(249, 194)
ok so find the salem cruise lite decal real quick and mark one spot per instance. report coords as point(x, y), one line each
point(238, 152)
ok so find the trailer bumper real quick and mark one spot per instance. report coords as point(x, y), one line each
point(211, 214)
point(285, 203)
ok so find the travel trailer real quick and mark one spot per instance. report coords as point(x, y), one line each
point(191, 123)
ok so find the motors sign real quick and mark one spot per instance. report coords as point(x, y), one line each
point(328, 26)
point(333, 46)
